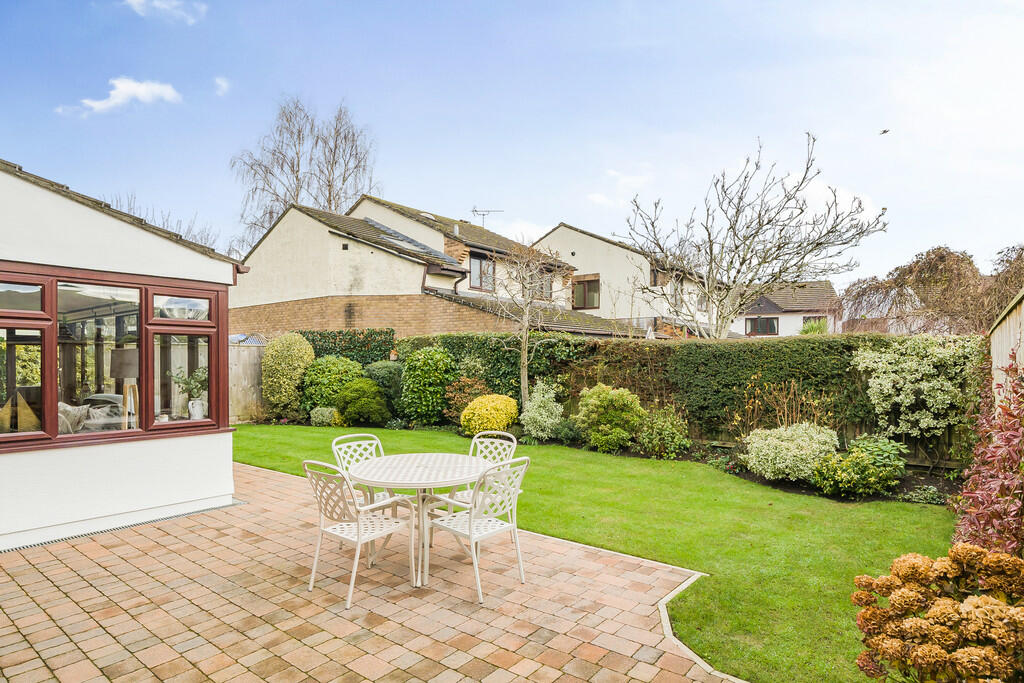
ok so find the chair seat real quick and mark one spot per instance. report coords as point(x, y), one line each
point(458, 524)
point(463, 496)
point(367, 528)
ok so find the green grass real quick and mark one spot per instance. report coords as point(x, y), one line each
point(776, 604)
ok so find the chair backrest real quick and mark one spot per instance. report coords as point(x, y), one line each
point(496, 491)
point(353, 448)
point(335, 497)
point(493, 446)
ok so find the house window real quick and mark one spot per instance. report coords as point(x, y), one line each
point(757, 327)
point(586, 294)
point(814, 318)
point(481, 272)
point(543, 288)
point(87, 356)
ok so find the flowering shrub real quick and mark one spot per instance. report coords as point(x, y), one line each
point(324, 378)
point(991, 504)
point(284, 362)
point(873, 465)
point(609, 417)
point(542, 413)
point(956, 618)
point(921, 386)
point(459, 394)
point(788, 452)
point(663, 435)
point(427, 374)
point(361, 401)
point(388, 375)
point(490, 412)
point(324, 416)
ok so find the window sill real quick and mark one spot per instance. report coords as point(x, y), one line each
point(96, 439)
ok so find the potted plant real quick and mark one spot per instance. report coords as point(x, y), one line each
point(193, 386)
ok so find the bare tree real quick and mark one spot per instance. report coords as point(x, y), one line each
point(757, 232)
point(526, 281)
point(190, 229)
point(940, 291)
point(326, 164)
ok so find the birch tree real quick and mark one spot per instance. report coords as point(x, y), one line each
point(757, 231)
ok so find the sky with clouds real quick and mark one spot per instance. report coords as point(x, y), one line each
point(549, 111)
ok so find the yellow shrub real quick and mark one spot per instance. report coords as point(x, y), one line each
point(489, 412)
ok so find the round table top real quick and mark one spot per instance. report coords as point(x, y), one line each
point(418, 470)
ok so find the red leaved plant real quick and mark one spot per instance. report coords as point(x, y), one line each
point(991, 504)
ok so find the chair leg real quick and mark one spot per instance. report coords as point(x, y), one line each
point(372, 555)
point(413, 579)
point(476, 572)
point(426, 555)
point(519, 554)
point(352, 581)
point(316, 557)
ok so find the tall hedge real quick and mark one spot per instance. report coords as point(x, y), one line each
point(284, 364)
point(364, 346)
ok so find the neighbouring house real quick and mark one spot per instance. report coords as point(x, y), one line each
point(784, 312)
point(609, 278)
point(383, 264)
point(103, 318)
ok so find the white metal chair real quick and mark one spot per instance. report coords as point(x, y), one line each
point(342, 517)
point(494, 447)
point(494, 496)
point(350, 449)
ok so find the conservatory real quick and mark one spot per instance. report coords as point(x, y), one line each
point(113, 367)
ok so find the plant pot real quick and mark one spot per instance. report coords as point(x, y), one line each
point(197, 409)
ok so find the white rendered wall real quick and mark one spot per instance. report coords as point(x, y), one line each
point(396, 221)
point(40, 226)
point(790, 324)
point(51, 494)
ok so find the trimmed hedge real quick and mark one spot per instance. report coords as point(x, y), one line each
point(364, 346)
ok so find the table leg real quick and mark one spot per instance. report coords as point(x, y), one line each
point(424, 536)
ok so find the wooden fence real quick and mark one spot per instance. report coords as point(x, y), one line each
point(244, 381)
point(1005, 336)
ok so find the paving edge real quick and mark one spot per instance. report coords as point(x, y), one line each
point(666, 624)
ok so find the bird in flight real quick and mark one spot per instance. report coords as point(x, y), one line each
point(884, 131)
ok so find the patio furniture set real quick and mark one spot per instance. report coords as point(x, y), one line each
point(359, 502)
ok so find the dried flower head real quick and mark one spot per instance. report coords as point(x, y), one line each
point(977, 661)
point(915, 627)
point(967, 555)
point(885, 585)
point(906, 600)
point(868, 663)
point(929, 657)
point(944, 568)
point(945, 611)
point(892, 649)
point(864, 582)
point(871, 620)
point(944, 637)
point(913, 567)
point(863, 598)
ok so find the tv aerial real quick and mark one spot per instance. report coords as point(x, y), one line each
point(484, 213)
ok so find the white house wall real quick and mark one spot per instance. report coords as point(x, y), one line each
point(61, 492)
point(41, 226)
point(790, 324)
point(396, 221)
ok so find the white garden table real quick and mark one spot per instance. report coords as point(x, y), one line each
point(422, 472)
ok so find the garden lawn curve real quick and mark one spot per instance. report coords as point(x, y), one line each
point(776, 604)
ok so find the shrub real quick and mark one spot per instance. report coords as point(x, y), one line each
point(788, 452)
point(490, 412)
point(472, 366)
point(950, 619)
point(396, 423)
point(324, 379)
point(284, 363)
point(872, 466)
point(324, 416)
point(361, 401)
point(567, 433)
point(818, 326)
point(362, 346)
point(609, 417)
point(663, 435)
point(542, 413)
point(388, 375)
point(459, 394)
point(991, 503)
point(427, 374)
point(924, 494)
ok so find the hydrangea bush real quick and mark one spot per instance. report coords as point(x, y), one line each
point(788, 452)
point(542, 413)
point(492, 412)
point(957, 618)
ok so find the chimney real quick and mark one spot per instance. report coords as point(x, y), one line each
point(456, 226)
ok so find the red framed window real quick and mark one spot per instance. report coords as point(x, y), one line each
point(87, 356)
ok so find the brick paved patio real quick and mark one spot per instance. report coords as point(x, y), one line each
point(221, 595)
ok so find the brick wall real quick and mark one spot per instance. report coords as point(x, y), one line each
point(457, 250)
point(409, 315)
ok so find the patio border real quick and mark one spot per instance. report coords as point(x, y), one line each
point(666, 624)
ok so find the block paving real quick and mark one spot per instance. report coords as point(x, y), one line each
point(221, 596)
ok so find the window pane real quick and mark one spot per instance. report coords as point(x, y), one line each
point(751, 325)
point(594, 294)
point(18, 297)
point(181, 307)
point(487, 270)
point(97, 358)
point(21, 389)
point(578, 295)
point(474, 272)
point(773, 326)
point(180, 377)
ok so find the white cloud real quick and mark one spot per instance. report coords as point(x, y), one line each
point(519, 229)
point(124, 91)
point(222, 84)
point(601, 199)
point(174, 10)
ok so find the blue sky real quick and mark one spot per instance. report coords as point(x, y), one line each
point(548, 110)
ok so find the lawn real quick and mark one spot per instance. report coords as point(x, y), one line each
point(776, 604)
